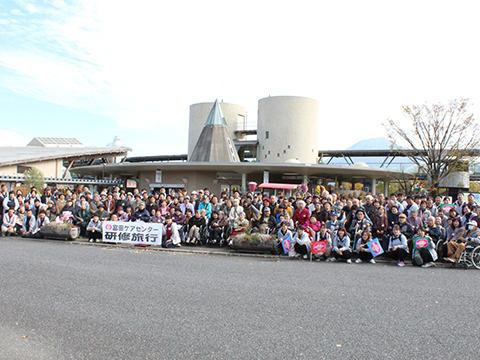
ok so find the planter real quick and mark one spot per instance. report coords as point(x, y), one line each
point(60, 234)
point(257, 247)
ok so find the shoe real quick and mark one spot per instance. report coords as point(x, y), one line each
point(349, 261)
point(194, 240)
point(427, 265)
point(91, 240)
point(187, 241)
point(358, 261)
point(305, 256)
point(179, 245)
point(372, 261)
point(400, 263)
point(449, 259)
point(332, 259)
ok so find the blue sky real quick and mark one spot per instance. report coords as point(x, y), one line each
point(96, 69)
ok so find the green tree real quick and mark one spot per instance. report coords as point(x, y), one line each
point(34, 178)
point(442, 138)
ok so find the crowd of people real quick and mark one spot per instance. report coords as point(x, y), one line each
point(347, 224)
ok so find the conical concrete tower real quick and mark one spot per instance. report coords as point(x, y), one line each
point(215, 143)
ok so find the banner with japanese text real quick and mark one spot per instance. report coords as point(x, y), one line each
point(132, 232)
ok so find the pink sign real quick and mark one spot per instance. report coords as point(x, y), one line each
point(420, 243)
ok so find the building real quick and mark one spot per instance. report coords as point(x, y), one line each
point(55, 157)
point(281, 148)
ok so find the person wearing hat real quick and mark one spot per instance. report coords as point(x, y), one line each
point(68, 208)
point(141, 214)
point(186, 205)
point(267, 203)
point(102, 213)
point(333, 224)
point(406, 229)
point(267, 223)
point(9, 222)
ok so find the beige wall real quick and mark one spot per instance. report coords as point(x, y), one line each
point(196, 180)
point(51, 168)
point(292, 124)
point(199, 114)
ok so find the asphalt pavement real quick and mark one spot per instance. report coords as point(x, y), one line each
point(63, 300)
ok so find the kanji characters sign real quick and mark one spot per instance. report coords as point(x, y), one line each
point(132, 232)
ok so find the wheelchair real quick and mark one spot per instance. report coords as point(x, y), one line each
point(469, 257)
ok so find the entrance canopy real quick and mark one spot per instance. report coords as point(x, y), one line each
point(278, 186)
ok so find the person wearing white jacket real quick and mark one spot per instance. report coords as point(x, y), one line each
point(29, 224)
point(300, 243)
point(9, 222)
point(171, 237)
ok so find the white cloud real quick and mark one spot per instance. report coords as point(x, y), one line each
point(11, 138)
point(143, 64)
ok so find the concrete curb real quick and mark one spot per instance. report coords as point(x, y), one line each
point(205, 251)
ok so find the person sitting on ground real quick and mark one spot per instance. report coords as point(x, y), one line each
point(363, 250)
point(42, 220)
point(141, 214)
point(9, 222)
point(195, 224)
point(171, 237)
point(29, 224)
point(424, 257)
point(324, 235)
point(94, 229)
point(341, 246)
point(282, 234)
point(20, 216)
point(300, 243)
point(397, 246)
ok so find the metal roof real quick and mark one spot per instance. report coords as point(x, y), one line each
point(325, 171)
point(28, 154)
point(55, 142)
